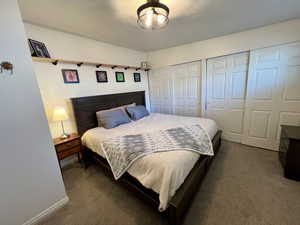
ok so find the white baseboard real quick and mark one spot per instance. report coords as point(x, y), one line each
point(47, 212)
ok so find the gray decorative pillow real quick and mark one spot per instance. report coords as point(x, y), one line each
point(98, 114)
point(113, 118)
point(137, 112)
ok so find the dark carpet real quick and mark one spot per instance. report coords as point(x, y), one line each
point(244, 186)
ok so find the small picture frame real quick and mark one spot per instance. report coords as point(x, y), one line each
point(31, 49)
point(101, 76)
point(137, 77)
point(38, 49)
point(120, 77)
point(70, 76)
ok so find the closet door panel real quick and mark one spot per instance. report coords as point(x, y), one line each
point(289, 80)
point(187, 89)
point(262, 93)
point(216, 89)
point(176, 89)
point(291, 89)
point(238, 86)
point(273, 95)
point(260, 124)
point(226, 89)
point(161, 91)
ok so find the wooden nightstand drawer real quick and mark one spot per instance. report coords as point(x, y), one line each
point(68, 152)
point(68, 145)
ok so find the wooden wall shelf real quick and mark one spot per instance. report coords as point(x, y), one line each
point(80, 63)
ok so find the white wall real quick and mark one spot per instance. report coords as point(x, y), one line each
point(30, 177)
point(253, 39)
point(67, 46)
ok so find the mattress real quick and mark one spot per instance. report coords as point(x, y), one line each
point(162, 172)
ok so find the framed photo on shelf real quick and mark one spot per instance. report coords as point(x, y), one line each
point(120, 77)
point(70, 76)
point(101, 76)
point(38, 49)
point(137, 77)
point(31, 49)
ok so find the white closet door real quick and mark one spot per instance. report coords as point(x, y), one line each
point(226, 90)
point(187, 89)
point(161, 90)
point(176, 89)
point(273, 96)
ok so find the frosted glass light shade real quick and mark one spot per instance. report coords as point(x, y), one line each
point(153, 15)
point(60, 114)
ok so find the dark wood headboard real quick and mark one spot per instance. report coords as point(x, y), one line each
point(85, 108)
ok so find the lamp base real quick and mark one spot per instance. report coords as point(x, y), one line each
point(64, 136)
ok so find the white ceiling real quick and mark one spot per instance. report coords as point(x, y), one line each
point(114, 21)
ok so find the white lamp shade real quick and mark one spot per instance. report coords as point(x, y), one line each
point(59, 114)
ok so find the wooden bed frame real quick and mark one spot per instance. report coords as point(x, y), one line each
point(85, 109)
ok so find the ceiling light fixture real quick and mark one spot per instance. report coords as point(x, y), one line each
point(153, 15)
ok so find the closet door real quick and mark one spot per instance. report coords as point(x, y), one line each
point(161, 90)
point(226, 90)
point(187, 89)
point(273, 96)
point(176, 89)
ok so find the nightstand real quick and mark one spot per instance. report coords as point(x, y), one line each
point(68, 147)
point(289, 151)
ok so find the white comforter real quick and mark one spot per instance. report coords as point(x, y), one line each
point(162, 172)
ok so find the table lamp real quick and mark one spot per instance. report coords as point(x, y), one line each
point(60, 114)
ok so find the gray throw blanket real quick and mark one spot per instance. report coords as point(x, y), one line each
point(122, 151)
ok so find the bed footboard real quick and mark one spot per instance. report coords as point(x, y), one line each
point(181, 201)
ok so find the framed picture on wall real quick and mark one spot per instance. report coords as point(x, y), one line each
point(137, 77)
point(120, 77)
point(38, 49)
point(70, 76)
point(31, 49)
point(101, 76)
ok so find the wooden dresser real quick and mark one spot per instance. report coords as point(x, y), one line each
point(289, 151)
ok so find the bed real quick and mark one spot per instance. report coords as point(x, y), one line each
point(171, 196)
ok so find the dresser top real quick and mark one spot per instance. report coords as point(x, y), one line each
point(58, 141)
point(292, 132)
